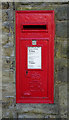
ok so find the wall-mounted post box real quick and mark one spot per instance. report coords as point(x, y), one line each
point(35, 56)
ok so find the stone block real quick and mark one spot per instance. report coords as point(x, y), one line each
point(8, 44)
point(64, 49)
point(52, 116)
point(30, 116)
point(1, 27)
point(1, 17)
point(8, 27)
point(62, 63)
point(8, 63)
point(7, 51)
point(8, 90)
point(10, 14)
point(4, 16)
point(7, 40)
point(8, 77)
point(12, 38)
point(0, 110)
point(0, 93)
point(61, 29)
point(9, 113)
point(60, 70)
point(60, 47)
point(37, 109)
point(7, 15)
point(5, 29)
point(34, 5)
point(5, 5)
point(62, 75)
point(0, 5)
point(63, 99)
point(11, 5)
point(61, 12)
point(7, 102)
point(68, 49)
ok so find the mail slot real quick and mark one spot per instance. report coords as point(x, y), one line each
point(35, 32)
point(34, 27)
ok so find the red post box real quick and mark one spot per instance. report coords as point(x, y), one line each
point(35, 56)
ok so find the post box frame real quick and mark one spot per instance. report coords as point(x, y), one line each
point(50, 99)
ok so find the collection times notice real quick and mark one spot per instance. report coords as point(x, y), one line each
point(34, 57)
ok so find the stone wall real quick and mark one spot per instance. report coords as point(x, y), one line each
point(9, 107)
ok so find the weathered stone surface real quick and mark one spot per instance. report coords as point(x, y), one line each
point(61, 29)
point(68, 50)
point(8, 63)
point(0, 5)
point(4, 16)
point(27, 5)
point(30, 116)
point(7, 51)
point(64, 49)
point(8, 101)
point(37, 108)
point(60, 70)
point(60, 47)
point(63, 99)
point(44, 1)
point(9, 44)
point(61, 12)
point(8, 90)
point(0, 27)
point(37, 6)
point(51, 116)
point(7, 15)
point(8, 27)
point(32, 6)
point(9, 113)
point(8, 77)
point(61, 63)
point(0, 16)
point(7, 41)
point(5, 29)
point(5, 5)
point(0, 111)
point(10, 14)
point(11, 5)
point(62, 75)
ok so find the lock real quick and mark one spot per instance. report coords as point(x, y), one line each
point(26, 72)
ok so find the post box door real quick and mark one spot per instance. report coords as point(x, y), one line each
point(33, 68)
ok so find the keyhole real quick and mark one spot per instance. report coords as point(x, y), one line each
point(26, 72)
